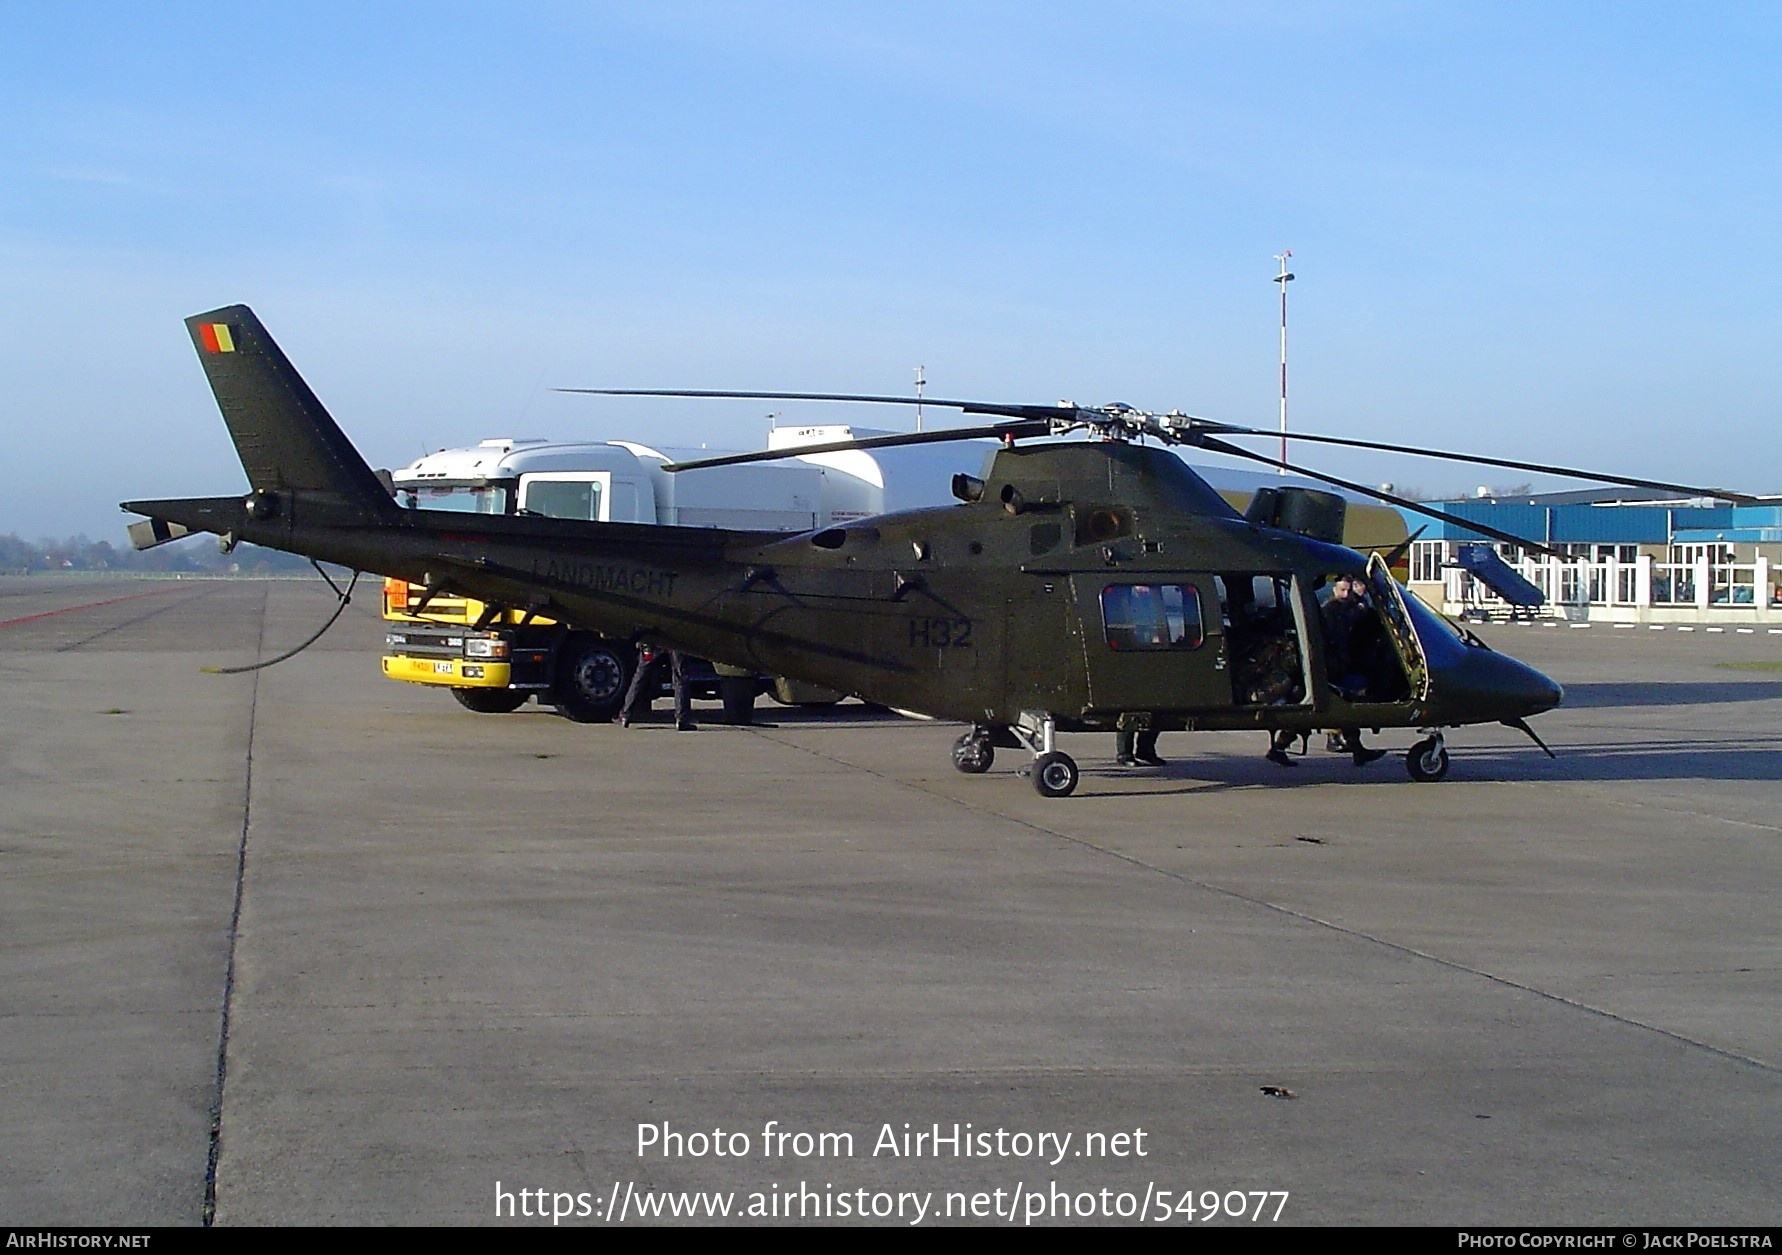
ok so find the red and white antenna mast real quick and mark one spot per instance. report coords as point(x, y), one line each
point(1284, 278)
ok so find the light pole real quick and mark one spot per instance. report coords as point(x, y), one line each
point(1284, 278)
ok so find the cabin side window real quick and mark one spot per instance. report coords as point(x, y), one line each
point(1138, 617)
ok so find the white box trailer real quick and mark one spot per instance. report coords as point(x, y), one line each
point(623, 481)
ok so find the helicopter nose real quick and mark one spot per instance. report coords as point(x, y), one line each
point(1539, 691)
point(1485, 685)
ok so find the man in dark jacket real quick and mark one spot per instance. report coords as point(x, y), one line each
point(1345, 609)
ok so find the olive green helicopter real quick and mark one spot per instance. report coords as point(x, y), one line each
point(1081, 585)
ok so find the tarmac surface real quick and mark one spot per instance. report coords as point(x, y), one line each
point(309, 946)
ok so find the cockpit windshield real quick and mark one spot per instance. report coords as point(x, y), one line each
point(1441, 640)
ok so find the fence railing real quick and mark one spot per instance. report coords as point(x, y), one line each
point(1583, 583)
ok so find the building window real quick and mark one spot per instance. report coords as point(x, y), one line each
point(1716, 554)
point(1427, 557)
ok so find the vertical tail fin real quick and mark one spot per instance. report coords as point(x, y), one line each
point(283, 434)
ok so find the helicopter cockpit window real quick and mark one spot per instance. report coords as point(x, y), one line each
point(1151, 616)
point(460, 498)
point(1442, 642)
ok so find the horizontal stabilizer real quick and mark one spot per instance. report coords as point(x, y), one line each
point(151, 532)
point(173, 517)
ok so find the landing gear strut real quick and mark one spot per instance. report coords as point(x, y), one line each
point(1054, 772)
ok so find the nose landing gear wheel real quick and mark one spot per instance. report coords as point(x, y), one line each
point(1054, 775)
point(973, 754)
point(1427, 760)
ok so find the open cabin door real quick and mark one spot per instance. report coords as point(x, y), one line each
point(1267, 625)
point(1390, 604)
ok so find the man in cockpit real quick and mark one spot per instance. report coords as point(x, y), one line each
point(1341, 613)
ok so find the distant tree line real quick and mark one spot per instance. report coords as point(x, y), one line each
point(77, 553)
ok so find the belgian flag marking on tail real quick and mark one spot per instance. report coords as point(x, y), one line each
point(216, 337)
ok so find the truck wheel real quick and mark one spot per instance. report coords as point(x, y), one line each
point(490, 701)
point(591, 678)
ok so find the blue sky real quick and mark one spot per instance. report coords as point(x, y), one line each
point(1530, 230)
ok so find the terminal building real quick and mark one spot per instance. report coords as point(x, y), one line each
point(1634, 558)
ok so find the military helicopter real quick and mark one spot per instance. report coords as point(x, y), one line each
point(1086, 585)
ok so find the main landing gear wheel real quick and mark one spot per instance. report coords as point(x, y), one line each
point(490, 701)
point(1427, 760)
point(591, 680)
point(1055, 775)
point(973, 754)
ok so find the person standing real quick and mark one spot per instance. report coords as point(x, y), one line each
point(647, 678)
point(1279, 742)
point(1137, 748)
point(1339, 616)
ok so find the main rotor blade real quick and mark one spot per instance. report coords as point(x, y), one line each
point(1484, 529)
point(1226, 429)
point(1045, 412)
point(998, 431)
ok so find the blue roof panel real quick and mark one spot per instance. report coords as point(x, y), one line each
point(1600, 524)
